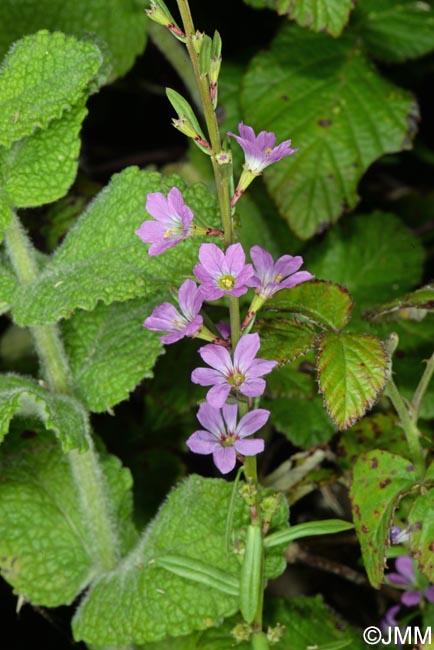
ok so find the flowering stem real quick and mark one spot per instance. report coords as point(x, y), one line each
point(411, 431)
point(420, 391)
point(86, 471)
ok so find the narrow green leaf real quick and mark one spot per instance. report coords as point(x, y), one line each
point(118, 27)
point(251, 586)
point(61, 414)
point(102, 259)
point(323, 304)
point(110, 351)
point(352, 371)
point(309, 529)
point(412, 306)
point(45, 549)
point(331, 102)
point(421, 527)
point(201, 572)
point(40, 168)
point(396, 30)
point(42, 76)
point(380, 479)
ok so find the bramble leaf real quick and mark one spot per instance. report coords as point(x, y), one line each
point(110, 351)
point(283, 340)
point(125, 594)
point(61, 414)
point(380, 479)
point(118, 27)
point(412, 306)
point(393, 30)
point(41, 167)
point(42, 76)
point(421, 527)
point(352, 371)
point(331, 102)
point(102, 259)
point(46, 552)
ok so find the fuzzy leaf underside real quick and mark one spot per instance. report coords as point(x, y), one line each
point(379, 480)
point(352, 371)
point(116, 26)
point(102, 259)
point(331, 102)
point(41, 167)
point(110, 351)
point(42, 76)
point(46, 552)
point(8, 287)
point(61, 414)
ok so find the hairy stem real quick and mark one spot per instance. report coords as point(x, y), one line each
point(420, 391)
point(86, 471)
point(411, 431)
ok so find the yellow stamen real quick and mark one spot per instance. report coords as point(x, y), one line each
point(226, 282)
point(236, 379)
point(278, 277)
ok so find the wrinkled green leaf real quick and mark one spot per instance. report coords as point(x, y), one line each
point(352, 371)
point(5, 215)
point(421, 525)
point(412, 306)
point(125, 595)
point(303, 421)
point(380, 479)
point(118, 27)
point(61, 414)
point(46, 553)
point(332, 103)
point(42, 76)
point(40, 168)
point(284, 340)
point(8, 286)
point(102, 259)
point(323, 304)
point(374, 256)
point(110, 351)
point(396, 30)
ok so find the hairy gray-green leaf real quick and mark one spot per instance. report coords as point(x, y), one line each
point(117, 26)
point(61, 414)
point(40, 168)
point(147, 601)
point(45, 549)
point(110, 351)
point(8, 286)
point(102, 259)
point(341, 114)
point(42, 76)
point(396, 30)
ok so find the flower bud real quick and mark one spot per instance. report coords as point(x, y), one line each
point(159, 13)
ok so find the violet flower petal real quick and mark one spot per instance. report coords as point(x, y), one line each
point(202, 442)
point(411, 597)
point(224, 459)
point(252, 422)
point(250, 447)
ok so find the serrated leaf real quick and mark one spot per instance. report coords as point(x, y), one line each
point(374, 256)
point(110, 351)
point(394, 30)
point(303, 421)
point(336, 108)
point(352, 371)
point(46, 553)
point(380, 479)
point(283, 340)
point(421, 527)
point(323, 304)
point(42, 76)
point(118, 27)
point(102, 259)
point(412, 306)
point(125, 594)
point(40, 168)
point(8, 287)
point(61, 414)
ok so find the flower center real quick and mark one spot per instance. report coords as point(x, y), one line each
point(236, 379)
point(268, 150)
point(171, 232)
point(226, 282)
point(278, 277)
point(228, 440)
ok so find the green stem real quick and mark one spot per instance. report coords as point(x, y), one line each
point(85, 466)
point(175, 53)
point(411, 431)
point(420, 391)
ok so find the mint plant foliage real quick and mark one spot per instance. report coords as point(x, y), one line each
point(216, 356)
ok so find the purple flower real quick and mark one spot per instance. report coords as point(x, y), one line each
point(166, 318)
point(172, 221)
point(222, 273)
point(260, 150)
point(271, 276)
point(405, 576)
point(398, 536)
point(242, 374)
point(223, 437)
